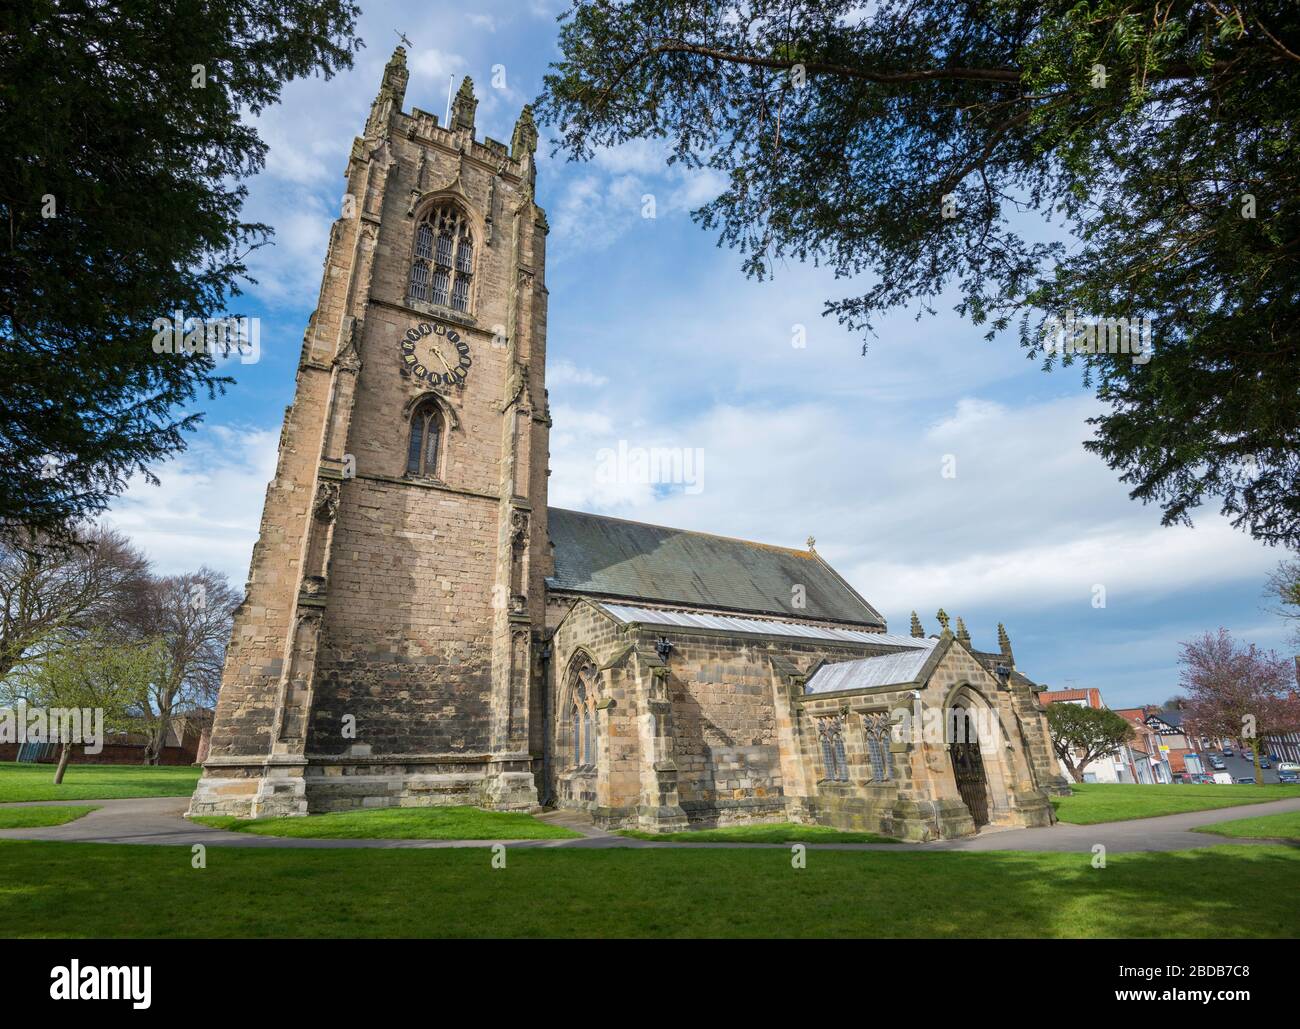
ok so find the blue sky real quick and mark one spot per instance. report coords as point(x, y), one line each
point(657, 339)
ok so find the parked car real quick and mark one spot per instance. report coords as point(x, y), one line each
point(1217, 764)
point(1245, 780)
point(1227, 752)
point(1288, 772)
point(1202, 779)
point(1263, 763)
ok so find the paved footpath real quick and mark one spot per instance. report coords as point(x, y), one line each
point(159, 821)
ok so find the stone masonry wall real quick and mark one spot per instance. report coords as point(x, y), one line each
point(408, 631)
point(395, 585)
point(726, 745)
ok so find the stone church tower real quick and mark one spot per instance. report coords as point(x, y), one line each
point(385, 648)
point(420, 628)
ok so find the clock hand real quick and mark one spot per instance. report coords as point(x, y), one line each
point(438, 351)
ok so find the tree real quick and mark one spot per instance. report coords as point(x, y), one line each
point(900, 138)
point(1238, 691)
point(1284, 587)
point(51, 591)
point(1081, 734)
point(93, 672)
point(120, 199)
point(190, 617)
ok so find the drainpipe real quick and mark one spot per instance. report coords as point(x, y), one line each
point(547, 791)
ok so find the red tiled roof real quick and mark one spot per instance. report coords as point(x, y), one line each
point(1091, 696)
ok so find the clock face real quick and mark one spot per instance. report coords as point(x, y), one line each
point(435, 354)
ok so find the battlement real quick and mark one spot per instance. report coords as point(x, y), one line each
point(425, 127)
point(387, 115)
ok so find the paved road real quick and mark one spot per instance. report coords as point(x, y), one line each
point(1239, 765)
point(158, 821)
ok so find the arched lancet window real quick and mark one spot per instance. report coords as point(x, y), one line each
point(424, 448)
point(879, 732)
point(442, 267)
point(583, 693)
point(830, 731)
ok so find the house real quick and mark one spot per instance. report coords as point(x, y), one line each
point(1147, 758)
point(1182, 748)
point(1115, 767)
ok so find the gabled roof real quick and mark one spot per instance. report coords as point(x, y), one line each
point(886, 670)
point(614, 558)
point(1171, 718)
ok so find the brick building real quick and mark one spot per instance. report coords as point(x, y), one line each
point(420, 627)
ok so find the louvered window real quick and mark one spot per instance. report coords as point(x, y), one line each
point(424, 241)
point(439, 292)
point(460, 294)
point(420, 280)
point(442, 266)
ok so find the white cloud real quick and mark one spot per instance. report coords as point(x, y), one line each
point(1030, 519)
point(434, 67)
point(561, 374)
point(208, 506)
point(623, 189)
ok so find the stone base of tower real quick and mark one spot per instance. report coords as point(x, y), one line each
point(268, 789)
point(290, 787)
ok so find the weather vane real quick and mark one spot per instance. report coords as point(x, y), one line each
point(402, 37)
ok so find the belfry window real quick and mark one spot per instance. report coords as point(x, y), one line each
point(424, 242)
point(440, 280)
point(442, 267)
point(420, 280)
point(426, 440)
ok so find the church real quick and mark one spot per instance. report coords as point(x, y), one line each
point(420, 627)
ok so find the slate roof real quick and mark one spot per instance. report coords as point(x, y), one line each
point(1171, 717)
point(885, 670)
point(611, 557)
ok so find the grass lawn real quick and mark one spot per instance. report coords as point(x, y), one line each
point(1273, 827)
point(95, 782)
point(784, 832)
point(38, 817)
point(1117, 802)
point(63, 889)
point(402, 823)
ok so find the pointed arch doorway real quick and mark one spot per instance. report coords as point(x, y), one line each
point(968, 767)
